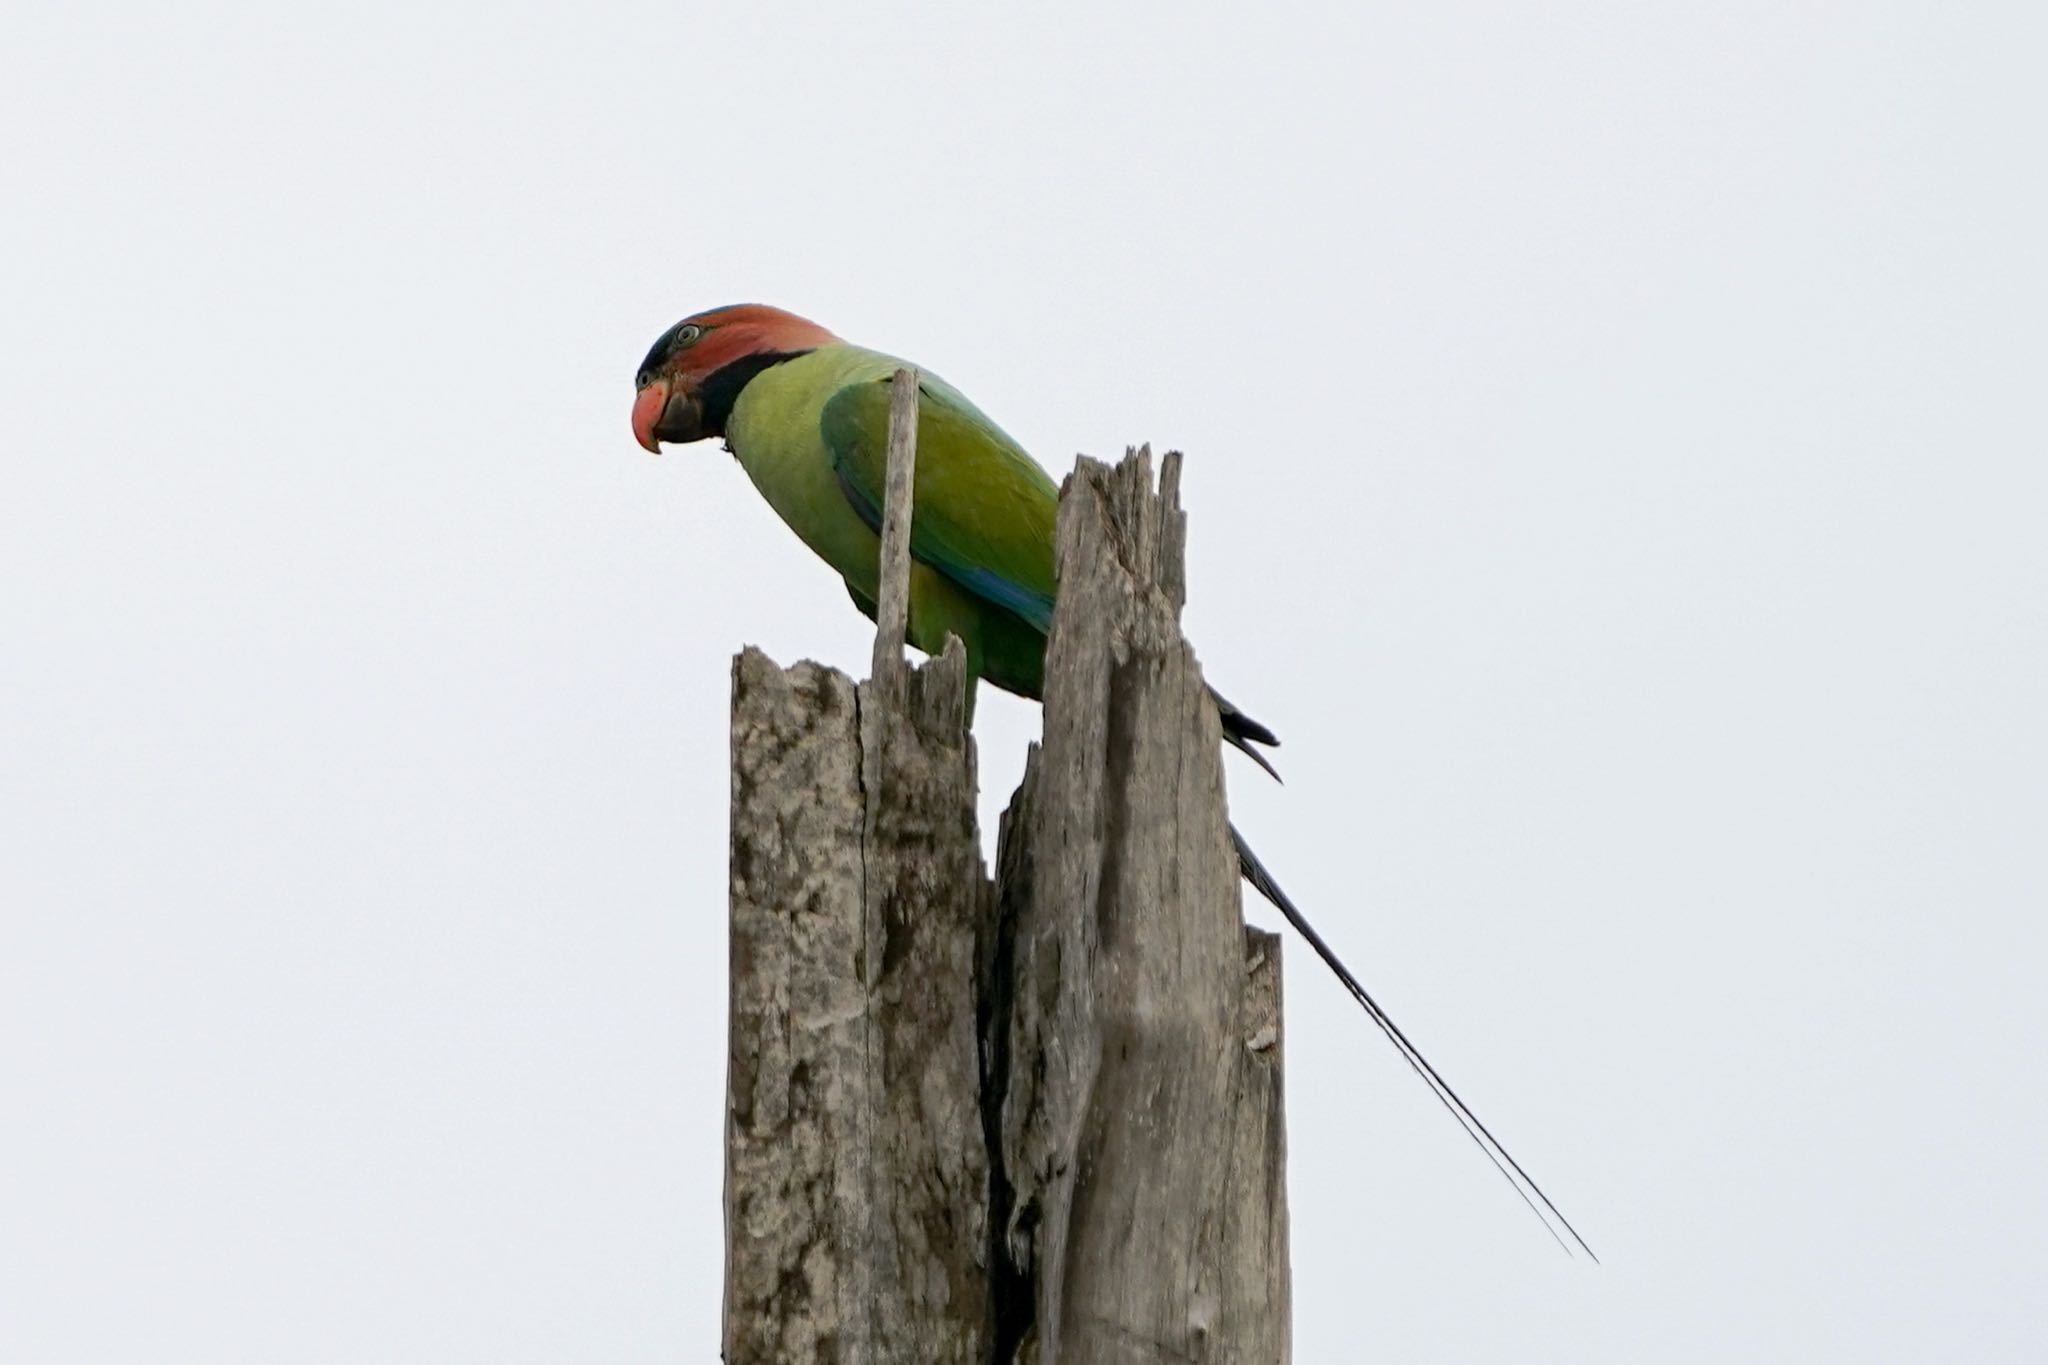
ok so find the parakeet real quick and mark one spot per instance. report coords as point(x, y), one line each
point(807, 416)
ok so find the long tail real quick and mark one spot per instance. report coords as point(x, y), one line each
point(1240, 731)
point(1511, 1170)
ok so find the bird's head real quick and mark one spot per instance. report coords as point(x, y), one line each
point(696, 369)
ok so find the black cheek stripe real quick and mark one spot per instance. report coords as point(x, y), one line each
point(721, 388)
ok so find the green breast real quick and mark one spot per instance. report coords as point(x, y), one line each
point(774, 430)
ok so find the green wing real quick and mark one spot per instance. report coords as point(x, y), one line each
point(983, 511)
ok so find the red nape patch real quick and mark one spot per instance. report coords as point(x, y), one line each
point(750, 327)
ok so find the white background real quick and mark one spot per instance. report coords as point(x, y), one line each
point(1615, 464)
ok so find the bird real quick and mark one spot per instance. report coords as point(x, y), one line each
point(806, 414)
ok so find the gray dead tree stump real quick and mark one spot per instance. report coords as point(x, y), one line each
point(1141, 1133)
point(1036, 1121)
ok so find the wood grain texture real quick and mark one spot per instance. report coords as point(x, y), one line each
point(1142, 1195)
point(892, 604)
point(856, 1168)
point(1033, 1122)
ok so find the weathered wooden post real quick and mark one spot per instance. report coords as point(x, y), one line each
point(855, 1174)
point(1142, 1136)
point(1032, 1122)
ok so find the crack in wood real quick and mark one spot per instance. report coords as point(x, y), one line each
point(1037, 1119)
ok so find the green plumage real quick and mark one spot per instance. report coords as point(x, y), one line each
point(812, 433)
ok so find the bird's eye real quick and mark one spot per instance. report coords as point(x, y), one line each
point(641, 380)
point(688, 333)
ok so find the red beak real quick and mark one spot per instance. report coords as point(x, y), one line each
point(648, 405)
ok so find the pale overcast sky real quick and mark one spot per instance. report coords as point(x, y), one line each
point(1615, 465)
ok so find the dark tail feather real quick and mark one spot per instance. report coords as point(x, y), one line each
point(1240, 731)
point(1262, 881)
